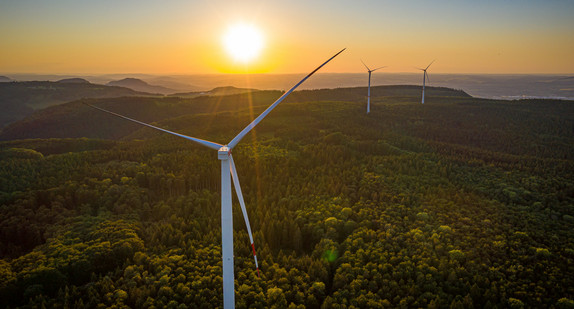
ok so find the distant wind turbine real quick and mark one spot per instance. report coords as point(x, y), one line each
point(227, 170)
point(425, 76)
point(369, 88)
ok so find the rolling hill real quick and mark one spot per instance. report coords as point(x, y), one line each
point(20, 99)
point(139, 85)
point(73, 80)
point(228, 90)
point(76, 120)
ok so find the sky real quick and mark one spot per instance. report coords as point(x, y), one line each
point(186, 37)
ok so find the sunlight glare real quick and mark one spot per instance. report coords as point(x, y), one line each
point(243, 42)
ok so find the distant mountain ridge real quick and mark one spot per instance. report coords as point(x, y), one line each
point(140, 85)
point(4, 79)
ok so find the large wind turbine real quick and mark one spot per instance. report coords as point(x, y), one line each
point(425, 76)
point(369, 88)
point(227, 170)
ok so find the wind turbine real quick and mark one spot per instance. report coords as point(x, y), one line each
point(369, 89)
point(425, 76)
point(227, 170)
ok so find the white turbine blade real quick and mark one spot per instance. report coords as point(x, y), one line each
point(205, 143)
point(365, 65)
point(249, 127)
point(428, 79)
point(429, 64)
point(243, 209)
point(378, 68)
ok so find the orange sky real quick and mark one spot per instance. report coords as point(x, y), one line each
point(185, 37)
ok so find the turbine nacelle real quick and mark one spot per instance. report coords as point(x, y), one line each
point(425, 69)
point(373, 70)
point(223, 153)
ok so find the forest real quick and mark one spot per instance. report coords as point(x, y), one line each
point(458, 203)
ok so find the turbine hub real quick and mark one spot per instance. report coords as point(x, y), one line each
point(223, 153)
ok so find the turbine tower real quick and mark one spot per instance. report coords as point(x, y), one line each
point(425, 76)
point(228, 172)
point(369, 88)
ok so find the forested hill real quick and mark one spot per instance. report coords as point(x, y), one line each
point(20, 99)
point(457, 203)
point(227, 90)
point(76, 120)
point(359, 94)
point(139, 85)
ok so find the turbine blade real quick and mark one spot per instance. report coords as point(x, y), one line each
point(428, 79)
point(378, 68)
point(365, 65)
point(249, 127)
point(205, 143)
point(235, 178)
point(429, 64)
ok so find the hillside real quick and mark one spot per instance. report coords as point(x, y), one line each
point(457, 203)
point(174, 83)
point(4, 79)
point(20, 99)
point(139, 85)
point(228, 90)
point(74, 80)
point(76, 120)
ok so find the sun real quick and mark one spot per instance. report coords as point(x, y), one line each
point(243, 42)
